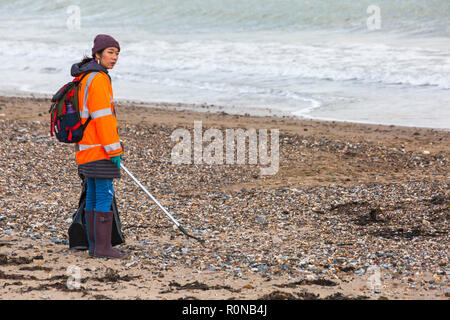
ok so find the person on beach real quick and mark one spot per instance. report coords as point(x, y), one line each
point(98, 153)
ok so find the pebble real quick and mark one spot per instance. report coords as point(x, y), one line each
point(211, 269)
point(310, 277)
point(273, 230)
point(260, 219)
point(130, 264)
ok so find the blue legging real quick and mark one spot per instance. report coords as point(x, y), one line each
point(99, 194)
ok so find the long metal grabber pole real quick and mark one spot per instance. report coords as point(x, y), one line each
point(162, 208)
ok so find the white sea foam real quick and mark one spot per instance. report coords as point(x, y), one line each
point(310, 59)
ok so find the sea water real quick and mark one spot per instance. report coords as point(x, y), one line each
point(381, 62)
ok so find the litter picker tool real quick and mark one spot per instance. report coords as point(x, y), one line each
point(162, 208)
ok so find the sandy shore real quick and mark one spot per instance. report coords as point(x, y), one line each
point(354, 211)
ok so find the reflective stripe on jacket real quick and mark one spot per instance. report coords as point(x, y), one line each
point(101, 137)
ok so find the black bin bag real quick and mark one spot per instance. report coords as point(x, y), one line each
point(77, 231)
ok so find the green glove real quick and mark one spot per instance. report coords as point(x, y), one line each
point(116, 160)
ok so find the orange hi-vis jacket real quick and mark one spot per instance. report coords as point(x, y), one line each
point(101, 136)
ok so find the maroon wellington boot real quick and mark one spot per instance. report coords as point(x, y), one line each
point(90, 218)
point(102, 235)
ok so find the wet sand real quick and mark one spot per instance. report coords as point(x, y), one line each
point(354, 211)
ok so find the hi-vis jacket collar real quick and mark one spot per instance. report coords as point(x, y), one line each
point(92, 65)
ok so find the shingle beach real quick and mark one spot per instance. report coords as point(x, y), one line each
point(355, 211)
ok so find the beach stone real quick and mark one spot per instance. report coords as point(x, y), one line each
point(268, 226)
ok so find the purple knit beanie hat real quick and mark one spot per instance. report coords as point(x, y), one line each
point(103, 41)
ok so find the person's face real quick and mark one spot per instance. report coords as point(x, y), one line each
point(109, 57)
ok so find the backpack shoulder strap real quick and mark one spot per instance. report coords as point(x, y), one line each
point(86, 123)
point(84, 75)
point(86, 90)
point(84, 109)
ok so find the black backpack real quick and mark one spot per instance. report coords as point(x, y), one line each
point(65, 120)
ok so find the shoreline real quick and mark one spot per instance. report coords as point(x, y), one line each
point(218, 109)
point(348, 200)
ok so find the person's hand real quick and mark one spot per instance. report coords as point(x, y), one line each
point(116, 161)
